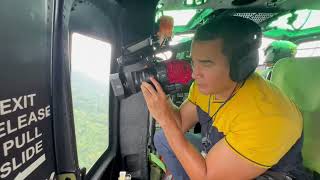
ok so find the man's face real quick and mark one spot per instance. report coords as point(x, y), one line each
point(210, 67)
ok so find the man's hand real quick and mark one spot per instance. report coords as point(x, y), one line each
point(157, 102)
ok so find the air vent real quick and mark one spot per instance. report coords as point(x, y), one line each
point(242, 2)
point(256, 17)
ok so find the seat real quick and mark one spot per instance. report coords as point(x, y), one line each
point(266, 73)
point(299, 78)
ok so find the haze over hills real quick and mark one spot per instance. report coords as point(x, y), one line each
point(90, 107)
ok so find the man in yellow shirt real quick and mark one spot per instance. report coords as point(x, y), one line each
point(249, 128)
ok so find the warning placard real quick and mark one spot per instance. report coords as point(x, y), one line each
point(23, 126)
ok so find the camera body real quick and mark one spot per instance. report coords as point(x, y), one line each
point(138, 63)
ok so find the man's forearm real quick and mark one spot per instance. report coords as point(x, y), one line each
point(177, 116)
point(191, 160)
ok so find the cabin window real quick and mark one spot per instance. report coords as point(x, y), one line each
point(304, 19)
point(181, 38)
point(180, 17)
point(309, 49)
point(90, 67)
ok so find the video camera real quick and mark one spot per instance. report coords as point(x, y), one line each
point(139, 62)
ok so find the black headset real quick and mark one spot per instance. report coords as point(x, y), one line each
point(245, 57)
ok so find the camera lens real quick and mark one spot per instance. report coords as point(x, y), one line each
point(161, 74)
point(141, 76)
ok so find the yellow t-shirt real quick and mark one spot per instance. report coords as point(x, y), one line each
point(259, 123)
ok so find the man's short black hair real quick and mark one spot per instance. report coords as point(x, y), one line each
point(239, 35)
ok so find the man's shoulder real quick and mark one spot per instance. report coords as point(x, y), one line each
point(261, 98)
point(261, 91)
point(265, 103)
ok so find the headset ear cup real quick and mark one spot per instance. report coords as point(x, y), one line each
point(241, 68)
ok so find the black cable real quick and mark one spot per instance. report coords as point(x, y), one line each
point(209, 130)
